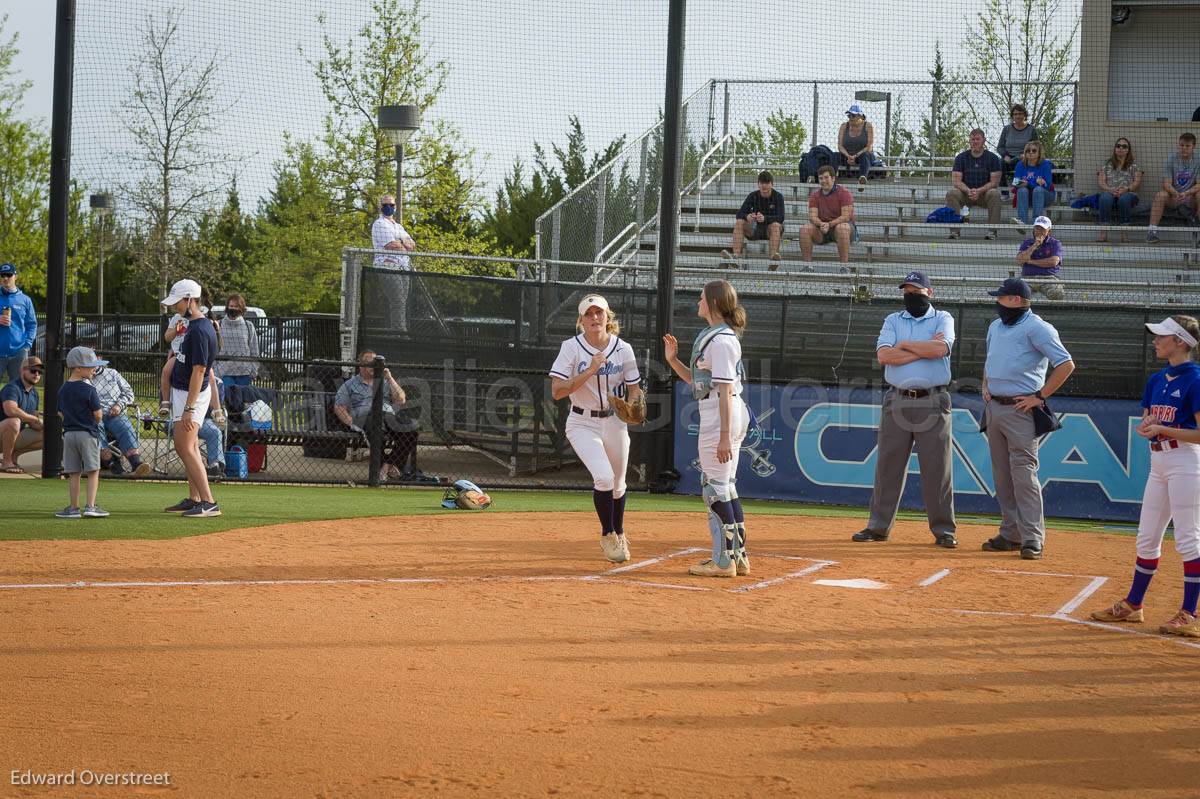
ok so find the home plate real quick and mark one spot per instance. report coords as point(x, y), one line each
point(861, 582)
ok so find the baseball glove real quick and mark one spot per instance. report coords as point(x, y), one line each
point(466, 495)
point(630, 412)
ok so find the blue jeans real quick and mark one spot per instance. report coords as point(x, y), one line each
point(1124, 205)
point(1041, 198)
point(10, 366)
point(120, 428)
point(210, 434)
point(237, 380)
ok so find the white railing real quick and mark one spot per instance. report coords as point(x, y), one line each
point(724, 143)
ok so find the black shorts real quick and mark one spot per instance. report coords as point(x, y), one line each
point(762, 231)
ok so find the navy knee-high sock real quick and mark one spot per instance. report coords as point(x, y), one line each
point(619, 514)
point(603, 500)
point(1191, 585)
point(1143, 573)
point(738, 515)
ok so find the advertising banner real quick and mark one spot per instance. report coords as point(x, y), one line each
point(817, 444)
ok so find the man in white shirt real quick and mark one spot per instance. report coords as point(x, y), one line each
point(389, 235)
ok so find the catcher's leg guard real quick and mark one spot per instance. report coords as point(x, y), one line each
point(721, 524)
point(739, 519)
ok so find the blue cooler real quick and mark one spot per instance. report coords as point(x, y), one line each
point(235, 463)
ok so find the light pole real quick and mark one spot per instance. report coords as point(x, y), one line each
point(398, 123)
point(102, 206)
point(869, 96)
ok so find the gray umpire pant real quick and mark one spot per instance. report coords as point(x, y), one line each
point(1014, 447)
point(924, 421)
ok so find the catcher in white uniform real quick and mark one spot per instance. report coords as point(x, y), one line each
point(715, 375)
point(598, 372)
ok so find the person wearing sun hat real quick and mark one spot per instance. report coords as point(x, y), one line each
point(856, 143)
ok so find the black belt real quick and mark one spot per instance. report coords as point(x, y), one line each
point(1004, 400)
point(914, 393)
point(597, 414)
point(1169, 443)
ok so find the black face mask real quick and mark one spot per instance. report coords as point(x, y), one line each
point(233, 313)
point(1010, 316)
point(917, 305)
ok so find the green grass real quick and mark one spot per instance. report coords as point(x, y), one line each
point(29, 506)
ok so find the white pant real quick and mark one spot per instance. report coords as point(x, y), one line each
point(603, 446)
point(710, 437)
point(1172, 493)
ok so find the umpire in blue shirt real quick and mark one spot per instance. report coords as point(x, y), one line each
point(1020, 347)
point(914, 348)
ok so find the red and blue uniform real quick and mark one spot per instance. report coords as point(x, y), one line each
point(1172, 399)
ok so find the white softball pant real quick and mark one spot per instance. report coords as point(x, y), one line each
point(710, 437)
point(603, 446)
point(1172, 493)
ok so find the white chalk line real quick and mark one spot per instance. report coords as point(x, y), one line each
point(1078, 599)
point(933, 578)
point(1034, 574)
point(650, 562)
point(817, 566)
point(1121, 629)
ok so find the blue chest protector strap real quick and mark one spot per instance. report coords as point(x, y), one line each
point(702, 378)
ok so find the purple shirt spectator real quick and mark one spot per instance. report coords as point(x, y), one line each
point(1050, 247)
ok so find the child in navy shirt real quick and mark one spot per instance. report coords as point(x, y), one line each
point(79, 406)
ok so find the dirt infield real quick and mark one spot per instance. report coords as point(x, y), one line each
point(493, 654)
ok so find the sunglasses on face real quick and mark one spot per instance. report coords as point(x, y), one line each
point(37, 372)
point(6, 277)
point(1121, 147)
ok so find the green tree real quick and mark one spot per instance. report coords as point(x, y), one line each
point(1015, 44)
point(295, 260)
point(781, 135)
point(171, 116)
point(218, 246)
point(24, 177)
point(511, 220)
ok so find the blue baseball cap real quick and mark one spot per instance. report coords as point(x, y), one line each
point(1013, 287)
point(7, 269)
point(855, 110)
point(916, 279)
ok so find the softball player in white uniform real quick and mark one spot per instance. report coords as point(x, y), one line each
point(715, 375)
point(590, 368)
point(1170, 417)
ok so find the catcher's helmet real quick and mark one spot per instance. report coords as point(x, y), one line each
point(465, 494)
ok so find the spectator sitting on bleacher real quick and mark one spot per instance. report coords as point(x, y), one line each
point(1180, 188)
point(352, 404)
point(856, 143)
point(976, 181)
point(1033, 183)
point(1041, 260)
point(830, 217)
point(20, 422)
point(1118, 179)
point(759, 218)
point(1014, 137)
point(115, 396)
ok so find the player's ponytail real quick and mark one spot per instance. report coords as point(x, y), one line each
point(1189, 324)
point(721, 297)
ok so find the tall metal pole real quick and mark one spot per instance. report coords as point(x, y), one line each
point(400, 184)
point(663, 455)
point(100, 273)
point(56, 249)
